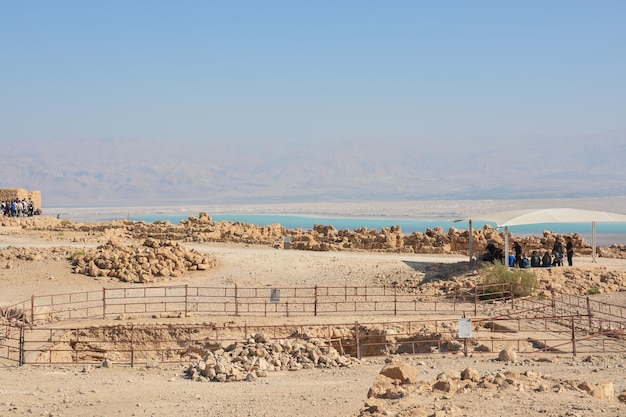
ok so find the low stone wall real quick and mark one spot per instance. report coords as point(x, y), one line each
point(203, 229)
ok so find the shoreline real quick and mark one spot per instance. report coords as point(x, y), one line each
point(445, 210)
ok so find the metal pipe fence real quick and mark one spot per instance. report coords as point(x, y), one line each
point(241, 301)
point(134, 344)
point(187, 300)
point(563, 322)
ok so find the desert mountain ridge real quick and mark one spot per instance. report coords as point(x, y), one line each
point(117, 172)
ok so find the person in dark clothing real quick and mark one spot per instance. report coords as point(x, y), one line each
point(518, 253)
point(546, 260)
point(569, 248)
point(490, 252)
point(535, 260)
point(557, 252)
point(558, 247)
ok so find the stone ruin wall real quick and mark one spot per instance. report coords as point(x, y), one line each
point(20, 194)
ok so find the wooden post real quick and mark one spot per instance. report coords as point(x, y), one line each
point(315, 303)
point(236, 302)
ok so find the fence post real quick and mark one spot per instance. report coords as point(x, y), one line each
point(22, 353)
point(589, 315)
point(395, 301)
point(454, 300)
point(315, 303)
point(236, 302)
point(104, 303)
point(573, 338)
point(132, 347)
point(186, 299)
point(512, 297)
point(76, 344)
point(553, 302)
point(32, 309)
point(356, 340)
point(475, 300)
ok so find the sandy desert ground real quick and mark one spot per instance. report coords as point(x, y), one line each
point(162, 390)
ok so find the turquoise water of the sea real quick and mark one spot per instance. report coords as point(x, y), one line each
point(606, 233)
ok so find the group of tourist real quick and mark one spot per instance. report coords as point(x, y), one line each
point(493, 253)
point(547, 260)
point(17, 208)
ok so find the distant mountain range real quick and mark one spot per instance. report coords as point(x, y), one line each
point(118, 172)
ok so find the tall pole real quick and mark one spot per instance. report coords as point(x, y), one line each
point(593, 241)
point(506, 245)
point(471, 241)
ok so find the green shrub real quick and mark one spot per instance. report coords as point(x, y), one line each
point(593, 290)
point(522, 282)
point(65, 222)
point(78, 254)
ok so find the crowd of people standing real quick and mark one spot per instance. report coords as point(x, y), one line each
point(555, 258)
point(18, 208)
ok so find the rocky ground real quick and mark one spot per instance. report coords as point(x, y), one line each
point(39, 257)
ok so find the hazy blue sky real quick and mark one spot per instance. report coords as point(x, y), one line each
point(310, 71)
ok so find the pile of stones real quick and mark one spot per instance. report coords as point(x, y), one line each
point(14, 253)
point(142, 262)
point(257, 356)
point(397, 381)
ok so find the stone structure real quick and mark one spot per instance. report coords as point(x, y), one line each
point(21, 194)
point(254, 358)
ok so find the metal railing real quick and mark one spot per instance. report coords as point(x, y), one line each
point(133, 344)
point(241, 301)
point(560, 322)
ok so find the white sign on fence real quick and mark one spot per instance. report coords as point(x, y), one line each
point(465, 328)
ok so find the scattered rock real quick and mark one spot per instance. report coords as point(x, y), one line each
point(507, 355)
